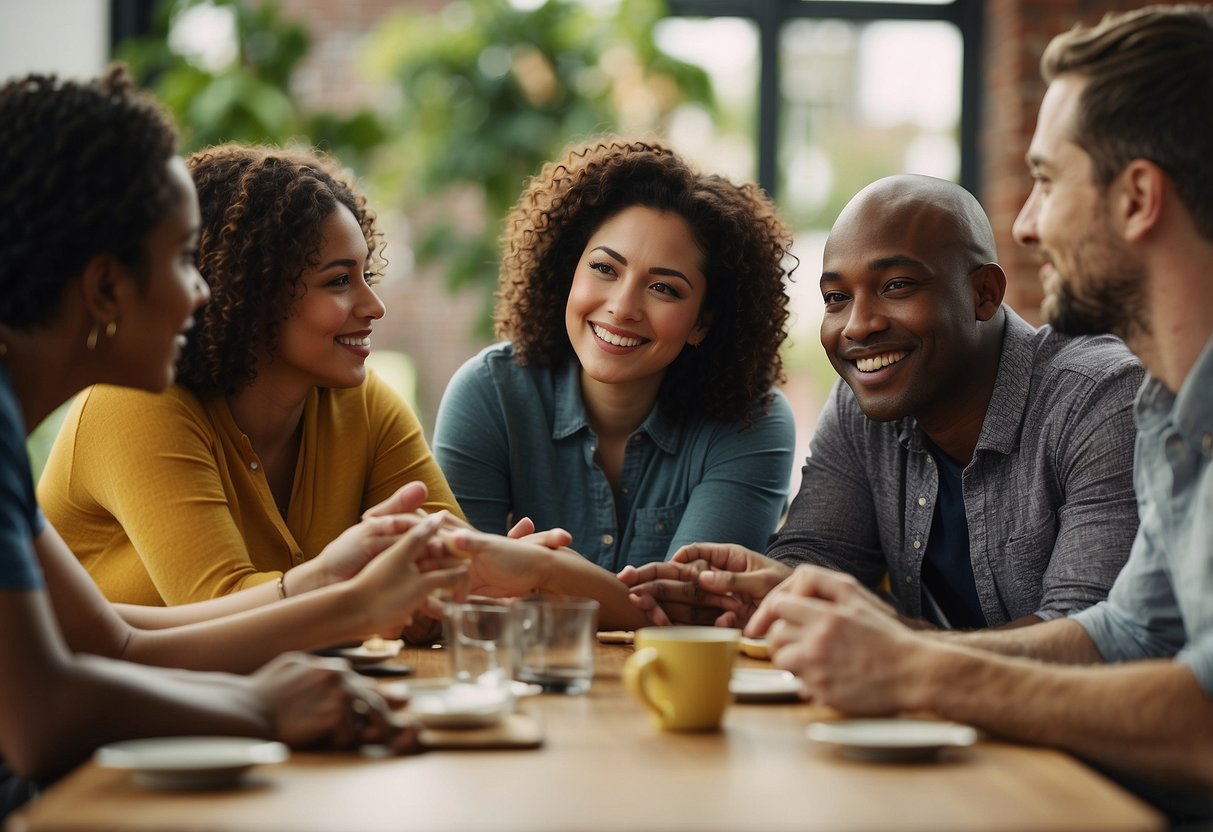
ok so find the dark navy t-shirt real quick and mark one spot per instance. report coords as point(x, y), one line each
point(20, 523)
point(947, 568)
point(20, 519)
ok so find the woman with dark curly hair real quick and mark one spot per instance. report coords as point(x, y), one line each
point(275, 438)
point(98, 222)
point(634, 402)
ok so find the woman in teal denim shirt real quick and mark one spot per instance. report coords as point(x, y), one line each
point(633, 403)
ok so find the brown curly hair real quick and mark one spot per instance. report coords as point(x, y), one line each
point(743, 242)
point(83, 171)
point(262, 211)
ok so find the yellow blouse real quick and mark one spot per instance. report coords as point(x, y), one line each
point(164, 502)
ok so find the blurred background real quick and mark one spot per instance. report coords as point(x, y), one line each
point(442, 109)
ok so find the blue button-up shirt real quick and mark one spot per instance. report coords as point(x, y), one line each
point(516, 442)
point(1160, 605)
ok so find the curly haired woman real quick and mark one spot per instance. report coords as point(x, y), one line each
point(633, 404)
point(275, 438)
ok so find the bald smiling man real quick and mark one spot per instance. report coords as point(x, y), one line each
point(985, 466)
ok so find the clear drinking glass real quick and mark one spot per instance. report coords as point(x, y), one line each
point(556, 643)
point(480, 638)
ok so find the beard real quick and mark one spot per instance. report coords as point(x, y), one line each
point(1102, 293)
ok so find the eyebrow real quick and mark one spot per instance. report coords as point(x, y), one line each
point(657, 270)
point(880, 264)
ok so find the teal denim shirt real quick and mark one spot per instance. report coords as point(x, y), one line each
point(515, 442)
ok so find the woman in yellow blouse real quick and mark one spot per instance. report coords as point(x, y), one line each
point(275, 438)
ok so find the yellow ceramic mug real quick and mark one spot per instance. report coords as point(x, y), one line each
point(681, 674)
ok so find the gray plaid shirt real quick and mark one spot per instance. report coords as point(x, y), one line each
point(1048, 494)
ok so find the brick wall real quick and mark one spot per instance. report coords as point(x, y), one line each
point(1016, 34)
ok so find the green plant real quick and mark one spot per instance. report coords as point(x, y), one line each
point(245, 97)
point(490, 91)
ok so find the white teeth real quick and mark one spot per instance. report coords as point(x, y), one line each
point(871, 365)
point(354, 342)
point(617, 340)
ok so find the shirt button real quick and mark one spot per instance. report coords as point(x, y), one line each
point(607, 539)
point(625, 490)
point(930, 460)
point(255, 465)
point(909, 579)
point(636, 439)
point(922, 501)
point(917, 544)
point(660, 527)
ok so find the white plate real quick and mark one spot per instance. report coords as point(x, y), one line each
point(189, 762)
point(362, 655)
point(756, 684)
point(460, 705)
point(891, 739)
point(405, 690)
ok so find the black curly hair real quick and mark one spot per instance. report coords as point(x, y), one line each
point(744, 247)
point(262, 212)
point(83, 171)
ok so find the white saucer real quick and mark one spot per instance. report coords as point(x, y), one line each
point(189, 762)
point(891, 739)
point(756, 684)
point(405, 690)
point(362, 655)
point(460, 705)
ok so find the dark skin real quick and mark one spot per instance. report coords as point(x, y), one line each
point(913, 324)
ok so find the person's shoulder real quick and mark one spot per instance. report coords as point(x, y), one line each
point(1095, 357)
point(497, 365)
point(115, 403)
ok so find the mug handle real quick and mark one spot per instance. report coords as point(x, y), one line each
point(635, 671)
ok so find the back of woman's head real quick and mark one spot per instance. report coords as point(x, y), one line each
point(83, 172)
point(262, 212)
point(735, 227)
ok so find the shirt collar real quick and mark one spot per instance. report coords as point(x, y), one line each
point(1003, 423)
point(1191, 410)
point(570, 415)
point(1001, 426)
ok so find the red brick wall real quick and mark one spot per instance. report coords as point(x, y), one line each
point(1016, 34)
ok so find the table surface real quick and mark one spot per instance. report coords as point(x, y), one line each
point(604, 765)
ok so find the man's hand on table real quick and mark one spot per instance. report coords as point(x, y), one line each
point(845, 644)
point(315, 702)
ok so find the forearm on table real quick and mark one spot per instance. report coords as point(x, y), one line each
point(1149, 719)
point(244, 641)
point(569, 573)
point(155, 618)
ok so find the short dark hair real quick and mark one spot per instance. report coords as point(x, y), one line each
point(83, 171)
point(744, 245)
point(1149, 96)
point(262, 212)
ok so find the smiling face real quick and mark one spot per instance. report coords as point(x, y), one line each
point(902, 305)
point(159, 309)
point(636, 299)
point(325, 339)
point(1092, 280)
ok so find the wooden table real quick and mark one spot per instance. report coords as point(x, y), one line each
point(604, 766)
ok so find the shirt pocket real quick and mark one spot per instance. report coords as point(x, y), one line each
point(653, 529)
point(1029, 550)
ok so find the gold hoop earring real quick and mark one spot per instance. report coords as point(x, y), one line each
point(111, 329)
point(93, 335)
